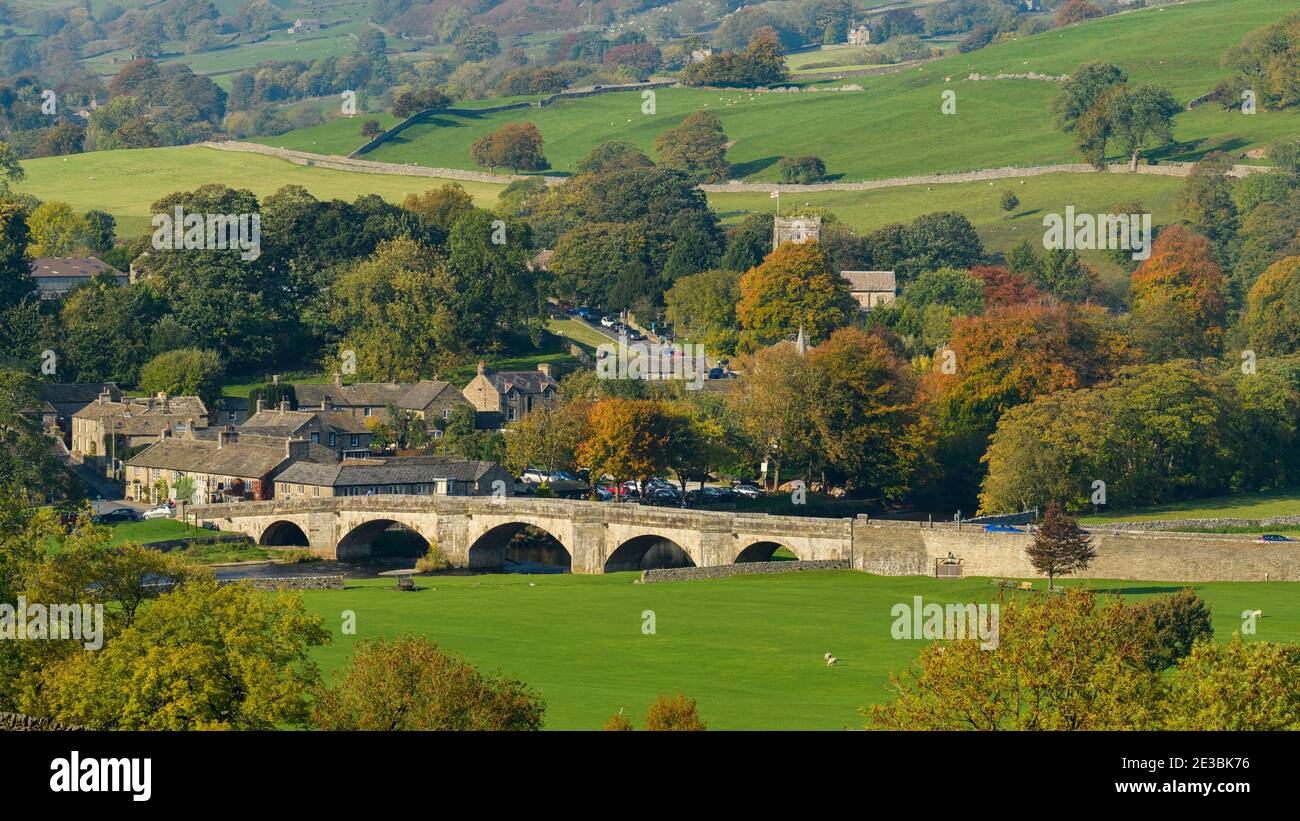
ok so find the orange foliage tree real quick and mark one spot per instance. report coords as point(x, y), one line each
point(1179, 298)
point(794, 287)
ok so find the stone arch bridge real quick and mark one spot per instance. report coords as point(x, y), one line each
point(473, 531)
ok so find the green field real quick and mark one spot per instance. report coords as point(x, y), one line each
point(895, 126)
point(341, 135)
point(153, 530)
point(748, 648)
point(127, 183)
point(1239, 506)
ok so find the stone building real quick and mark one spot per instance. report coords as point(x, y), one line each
point(798, 230)
point(415, 475)
point(860, 35)
point(104, 429)
point(871, 288)
point(428, 399)
point(343, 433)
point(223, 464)
point(506, 396)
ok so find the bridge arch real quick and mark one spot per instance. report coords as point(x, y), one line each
point(283, 533)
point(360, 540)
point(648, 551)
point(498, 545)
point(764, 551)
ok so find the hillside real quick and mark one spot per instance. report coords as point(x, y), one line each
point(894, 126)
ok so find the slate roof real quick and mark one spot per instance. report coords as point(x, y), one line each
point(374, 394)
point(78, 393)
point(239, 458)
point(522, 381)
point(870, 281)
point(286, 423)
point(406, 470)
point(138, 416)
point(84, 267)
point(424, 393)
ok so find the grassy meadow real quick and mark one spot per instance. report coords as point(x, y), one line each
point(748, 648)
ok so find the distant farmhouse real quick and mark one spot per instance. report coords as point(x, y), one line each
point(304, 26)
point(798, 230)
point(56, 276)
point(871, 288)
point(860, 35)
point(699, 55)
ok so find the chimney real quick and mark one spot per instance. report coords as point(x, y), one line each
point(296, 449)
point(221, 439)
point(327, 404)
point(338, 379)
point(162, 396)
point(275, 379)
point(482, 368)
point(545, 368)
point(284, 405)
point(261, 405)
point(104, 397)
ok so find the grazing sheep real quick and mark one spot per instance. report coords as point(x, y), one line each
point(1257, 613)
point(832, 661)
point(827, 657)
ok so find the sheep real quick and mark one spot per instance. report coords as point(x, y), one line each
point(827, 657)
point(832, 661)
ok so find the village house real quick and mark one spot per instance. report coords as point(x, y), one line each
point(871, 288)
point(860, 35)
point(429, 399)
point(222, 465)
point(56, 276)
point(342, 433)
point(105, 430)
point(414, 475)
point(69, 397)
point(507, 396)
point(304, 26)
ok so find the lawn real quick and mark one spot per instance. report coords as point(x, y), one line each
point(153, 530)
point(341, 135)
point(1238, 506)
point(748, 648)
point(127, 183)
point(895, 126)
point(163, 530)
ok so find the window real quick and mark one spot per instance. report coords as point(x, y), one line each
point(231, 416)
point(315, 490)
point(510, 414)
point(355, 439)
point(365, 411)
point(331, 440)
point(446, 413)
point(315, 438)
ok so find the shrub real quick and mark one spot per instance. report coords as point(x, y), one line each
point(673, 714)
point(802, 170)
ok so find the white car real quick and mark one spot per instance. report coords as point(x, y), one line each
point(160, 512)
point(608, 322)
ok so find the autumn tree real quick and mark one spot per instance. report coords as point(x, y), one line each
point(698, 147)
point(517, 146)
point(1076, 11)
point(442, 206)
point(625, 439)
point(793, 287)
point(1236, 686)
point(773, 404)
point(1179, 298)
point(864, 419)
point(1060, 547)
point(677, 713)
point(407, 683)
point(548, 436)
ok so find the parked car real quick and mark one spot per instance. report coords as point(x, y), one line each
point(608, 322)
point(584, 311)
point(748, 491)
point(121, 514)
point(1274, 537)
point(159, 512)
point(1002, 529)
point(535, 476)
point(633, 334)
point(717, 373)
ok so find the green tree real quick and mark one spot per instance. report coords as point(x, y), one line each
point(201, 657)
point(407, 683)
point(184, 372)
point(793, 288)
point(698, 147)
